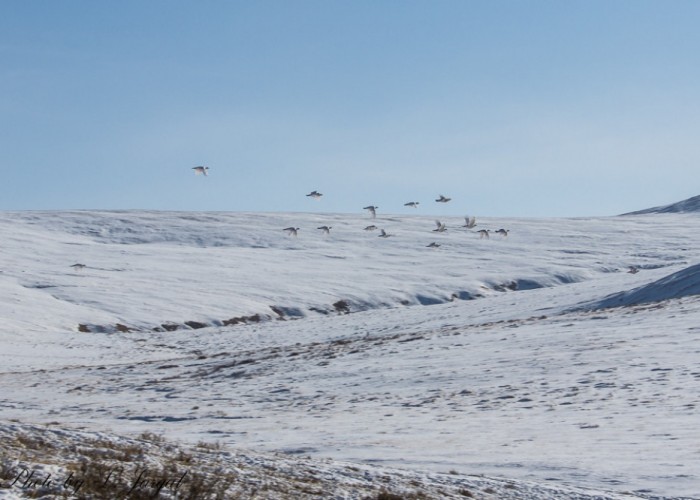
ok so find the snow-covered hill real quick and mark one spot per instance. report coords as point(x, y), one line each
point(679, 284)
point(535, 357)
point(149, 270)
point(686, 206)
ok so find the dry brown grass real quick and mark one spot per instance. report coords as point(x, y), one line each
point(134, 469)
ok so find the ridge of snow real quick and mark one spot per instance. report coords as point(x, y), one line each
point(690, 205)
point(680, 284)
point(156, 270)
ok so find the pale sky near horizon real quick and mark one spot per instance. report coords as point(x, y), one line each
point(511, 108)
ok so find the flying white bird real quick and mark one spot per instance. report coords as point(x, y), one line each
point(443, 199)
point(503, 232)
point(325, 229)
point(291, 231)
point(413, 204)
point(200, 170)
point(78, 267)
point(434, 245)
point(371, 228)
point(470, 222)
point(383, 234)
point(372, 209)
point(440, 227)
point(484, 233)
point(315, 195)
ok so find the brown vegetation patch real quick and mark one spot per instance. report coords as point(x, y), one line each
point(196, 325)
point(255, 318)
point(342, 307)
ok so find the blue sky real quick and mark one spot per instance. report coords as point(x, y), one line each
point(512, 108)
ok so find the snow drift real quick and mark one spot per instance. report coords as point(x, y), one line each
point(674, 286)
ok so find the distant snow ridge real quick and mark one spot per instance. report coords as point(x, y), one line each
point(680, 284)
point(681, 207)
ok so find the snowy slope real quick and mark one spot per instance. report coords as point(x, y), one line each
point(679, 284)
point(686, 206)
point(175, 470)
point(527, 381)
point(147, 269)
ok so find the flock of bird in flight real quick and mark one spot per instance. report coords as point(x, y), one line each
point(470, 222)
